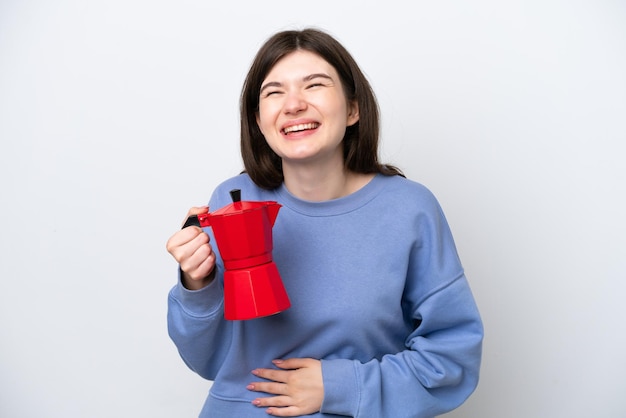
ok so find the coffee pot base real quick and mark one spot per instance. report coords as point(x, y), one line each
point(254, 292)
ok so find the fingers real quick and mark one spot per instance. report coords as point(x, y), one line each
point(272, 374)
point(294, 363)
point(268, 387)
point(279, 406)
point(297, 387)
point(190, 247)
point(185, 243)
point(289, 411)
point(181, 238)
point(283, 376)
point(198, 258)
point(178, 246)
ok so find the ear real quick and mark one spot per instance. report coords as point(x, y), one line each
point(353, 113)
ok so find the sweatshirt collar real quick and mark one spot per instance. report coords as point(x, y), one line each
point(332, 207)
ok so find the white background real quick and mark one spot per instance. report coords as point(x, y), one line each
point(116, 116)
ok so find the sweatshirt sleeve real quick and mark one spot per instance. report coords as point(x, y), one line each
point(195, 318)
point(439, 366)
point(197, 327)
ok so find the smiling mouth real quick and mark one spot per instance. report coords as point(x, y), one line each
point(301, 127)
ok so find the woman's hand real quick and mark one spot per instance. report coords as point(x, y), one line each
point(298, 387)
point(191, 249)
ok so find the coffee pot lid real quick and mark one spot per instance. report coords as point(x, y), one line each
point(238, 206)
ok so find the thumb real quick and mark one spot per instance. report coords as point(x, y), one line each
point(197, 210)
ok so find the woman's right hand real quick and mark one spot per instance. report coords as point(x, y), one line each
point(193, 252)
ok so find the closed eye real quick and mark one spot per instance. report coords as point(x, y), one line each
point(271, 88)
point(269, 92)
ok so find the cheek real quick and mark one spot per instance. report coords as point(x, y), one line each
point(262, 122)
point(265, 117)
point(263, 127)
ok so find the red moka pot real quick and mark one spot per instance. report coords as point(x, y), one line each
point(243, 233)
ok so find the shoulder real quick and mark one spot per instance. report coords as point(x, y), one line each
point(402, 191)
point(411, 202)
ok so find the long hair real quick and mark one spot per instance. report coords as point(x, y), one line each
point(360, 142)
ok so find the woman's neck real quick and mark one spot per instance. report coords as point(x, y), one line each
point(316, 185)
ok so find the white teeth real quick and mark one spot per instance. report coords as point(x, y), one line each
point(301, 127)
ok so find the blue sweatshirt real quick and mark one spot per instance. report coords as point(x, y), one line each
point(378, 294)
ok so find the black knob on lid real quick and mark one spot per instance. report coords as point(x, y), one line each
point(235, 194)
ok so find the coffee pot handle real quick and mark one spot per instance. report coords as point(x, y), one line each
point(202, 220)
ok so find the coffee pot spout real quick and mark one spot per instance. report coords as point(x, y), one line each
point(272, 211)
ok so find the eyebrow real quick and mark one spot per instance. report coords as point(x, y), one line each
point(304, 79)
point(317, 75)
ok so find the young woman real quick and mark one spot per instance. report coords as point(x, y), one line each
point(382, 322)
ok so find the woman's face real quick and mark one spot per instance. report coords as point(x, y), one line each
point(303, 112)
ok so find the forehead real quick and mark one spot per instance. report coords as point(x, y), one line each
point(299, 64)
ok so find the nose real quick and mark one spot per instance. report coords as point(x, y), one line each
point(294, 103)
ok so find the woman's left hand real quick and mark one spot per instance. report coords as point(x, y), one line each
point(297, 385)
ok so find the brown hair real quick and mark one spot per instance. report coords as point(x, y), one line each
point(360, 142)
